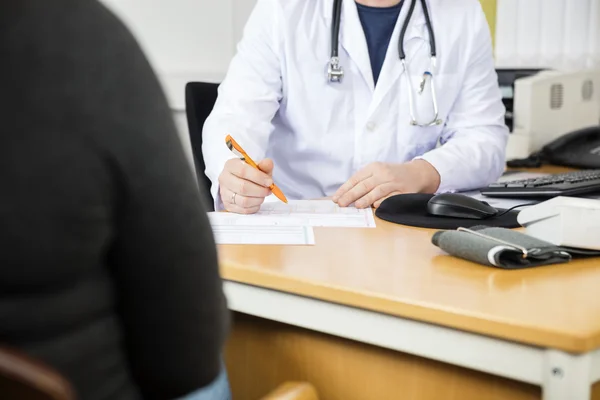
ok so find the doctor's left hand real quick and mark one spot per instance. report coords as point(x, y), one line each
point(378, 181)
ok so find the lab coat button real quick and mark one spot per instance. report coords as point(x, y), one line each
point(371, 126)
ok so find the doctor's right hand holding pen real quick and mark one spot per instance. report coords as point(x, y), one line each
point(242, 187)
point(245, 184)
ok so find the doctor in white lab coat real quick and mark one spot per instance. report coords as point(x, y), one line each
point(353, 141)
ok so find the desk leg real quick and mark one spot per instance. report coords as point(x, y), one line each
point(566, 376)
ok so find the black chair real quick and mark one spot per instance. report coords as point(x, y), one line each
point(200, 98)
point(25, 378)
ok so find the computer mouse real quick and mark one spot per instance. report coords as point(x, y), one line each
point(455, 205)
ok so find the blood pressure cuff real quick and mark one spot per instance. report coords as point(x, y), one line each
point(503, 248)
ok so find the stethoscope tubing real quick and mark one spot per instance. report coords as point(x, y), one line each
point(336, 23)
point(336, 73)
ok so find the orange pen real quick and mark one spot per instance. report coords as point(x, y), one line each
point(238, 151)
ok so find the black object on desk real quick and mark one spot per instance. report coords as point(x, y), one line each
point(566, 184)
point(456, 205)
point(413, 210)
point(579, 149)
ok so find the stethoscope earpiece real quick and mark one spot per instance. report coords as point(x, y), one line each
point(335, 73)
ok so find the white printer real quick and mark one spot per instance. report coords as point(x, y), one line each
point(564, 221)
point(543, 105)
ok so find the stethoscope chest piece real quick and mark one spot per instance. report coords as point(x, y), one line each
point(335, 73)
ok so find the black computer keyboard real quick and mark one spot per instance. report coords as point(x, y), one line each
point(567, 184)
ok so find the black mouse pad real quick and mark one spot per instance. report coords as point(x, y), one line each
point(411, 210)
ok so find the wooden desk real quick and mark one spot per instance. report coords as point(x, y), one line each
point(389, 287)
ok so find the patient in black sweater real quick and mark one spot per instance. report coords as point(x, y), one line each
point(108, 268)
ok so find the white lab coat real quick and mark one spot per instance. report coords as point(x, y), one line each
point(277, 102)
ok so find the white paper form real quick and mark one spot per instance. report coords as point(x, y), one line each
point(321, 213)
point(324, 213)
point(281, 235)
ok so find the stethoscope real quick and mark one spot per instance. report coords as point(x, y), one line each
point(335, 73)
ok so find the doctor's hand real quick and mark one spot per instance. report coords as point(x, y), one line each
point(244, 188)
point(378, 181)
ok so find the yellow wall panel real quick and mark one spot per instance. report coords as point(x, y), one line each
point(489, 7)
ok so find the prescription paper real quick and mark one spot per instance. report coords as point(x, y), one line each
point(279, 235)
point(315, 213)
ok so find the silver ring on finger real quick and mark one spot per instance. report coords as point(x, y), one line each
point(233, 198)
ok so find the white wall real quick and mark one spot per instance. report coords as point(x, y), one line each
point(185, 40)
point(181, 35)
point(195, 39)
point(561, 34)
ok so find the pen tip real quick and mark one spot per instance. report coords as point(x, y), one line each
point(279, 194)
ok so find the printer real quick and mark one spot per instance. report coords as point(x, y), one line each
point(542, 105)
